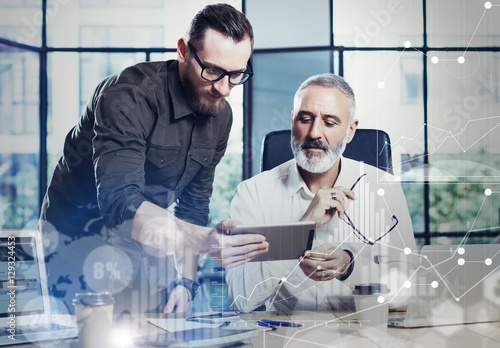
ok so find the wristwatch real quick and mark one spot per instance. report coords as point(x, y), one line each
point(189, 284)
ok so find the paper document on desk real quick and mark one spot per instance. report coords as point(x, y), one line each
point(181, 324)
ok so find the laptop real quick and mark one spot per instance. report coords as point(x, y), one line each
point(25, 313)
point(455, 284)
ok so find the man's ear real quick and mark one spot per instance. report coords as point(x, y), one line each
point(352, 130)
point(182, 49)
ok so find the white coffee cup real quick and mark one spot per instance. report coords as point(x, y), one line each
point(372, 309)
point(94, 316)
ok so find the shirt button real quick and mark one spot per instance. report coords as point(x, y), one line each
point(161, 161)
point(206, 159)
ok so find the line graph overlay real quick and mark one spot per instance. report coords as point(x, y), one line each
point(421, 267)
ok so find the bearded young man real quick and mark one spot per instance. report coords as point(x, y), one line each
point(337, 193)
point(150, 136)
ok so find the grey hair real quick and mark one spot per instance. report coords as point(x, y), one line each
point(330, 80)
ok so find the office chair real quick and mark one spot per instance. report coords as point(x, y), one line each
point(371, 146)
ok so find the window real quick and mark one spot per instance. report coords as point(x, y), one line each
point(19, 137)
point(426, 72)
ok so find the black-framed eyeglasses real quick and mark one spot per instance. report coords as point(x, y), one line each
point(357, 232)
point(213, 73)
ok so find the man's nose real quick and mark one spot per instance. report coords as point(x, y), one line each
point(316, 130)
point(223, 87)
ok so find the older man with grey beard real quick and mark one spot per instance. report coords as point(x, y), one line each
point(353, 209)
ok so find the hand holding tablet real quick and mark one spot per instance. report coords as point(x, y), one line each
point(287, 241)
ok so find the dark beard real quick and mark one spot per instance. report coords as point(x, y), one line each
point(196, 103)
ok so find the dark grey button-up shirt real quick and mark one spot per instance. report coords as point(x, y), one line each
point(137, 140)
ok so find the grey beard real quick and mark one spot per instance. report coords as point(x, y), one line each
point(306, 159)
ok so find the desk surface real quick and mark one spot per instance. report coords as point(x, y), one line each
point(330, 329)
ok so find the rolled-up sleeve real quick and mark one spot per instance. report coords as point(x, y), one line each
point(123, 120)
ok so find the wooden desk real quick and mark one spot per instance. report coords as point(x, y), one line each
point(327, 329)
point(324, 329)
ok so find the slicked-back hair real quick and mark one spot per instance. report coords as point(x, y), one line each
point(329, 80)
point(223, 18)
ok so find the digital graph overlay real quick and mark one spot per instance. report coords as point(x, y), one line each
point(463, 138)
point(491, 273)
point(491, 263)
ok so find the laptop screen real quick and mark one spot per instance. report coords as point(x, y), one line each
point(20, 283)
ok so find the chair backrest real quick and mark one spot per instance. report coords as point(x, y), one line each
point(371, 146)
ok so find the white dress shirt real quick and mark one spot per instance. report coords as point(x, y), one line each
point(281, 195)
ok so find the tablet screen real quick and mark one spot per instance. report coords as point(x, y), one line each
point(287, 241)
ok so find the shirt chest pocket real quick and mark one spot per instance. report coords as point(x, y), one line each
point(163, 156)
point(202, 156)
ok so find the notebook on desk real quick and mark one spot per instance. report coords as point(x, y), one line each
point(25, 313)
point(455, 284)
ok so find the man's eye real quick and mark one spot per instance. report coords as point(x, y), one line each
point(213, 71)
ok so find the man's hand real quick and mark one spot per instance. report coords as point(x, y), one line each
point(326, 203)
point(232, 251)
point(179, 300)
point(325, 262)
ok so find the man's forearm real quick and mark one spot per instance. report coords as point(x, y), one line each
point(158, 228)
point(187, 264)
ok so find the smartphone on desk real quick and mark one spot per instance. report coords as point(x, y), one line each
point(214, 318)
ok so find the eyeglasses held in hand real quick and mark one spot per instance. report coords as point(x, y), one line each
point(213, 73)
point(357, 232)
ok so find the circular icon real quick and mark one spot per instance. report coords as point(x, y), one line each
point(462, 65)
point(107, 268)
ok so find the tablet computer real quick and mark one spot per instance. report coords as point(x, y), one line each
point(287, 241)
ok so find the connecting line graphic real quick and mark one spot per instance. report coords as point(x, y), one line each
point(407, 45)
point(441, 278)
point(464, 239)
point(393, 65)
point(466, 236)
point(343, 319)
point(487, 6)
point(346, 317)
point(296, 286)
point(493, 228)
point(290, 273)
point(298, 340)
point(397, 228)
point(312, 286)
point(403, 250)
point(449, 135)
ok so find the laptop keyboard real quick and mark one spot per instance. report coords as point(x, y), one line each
point(26, 329)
